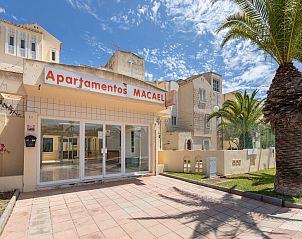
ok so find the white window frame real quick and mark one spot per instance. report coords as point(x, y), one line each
point(202, 95)
point(56, 55)
point(33, 39)
point(11, 33)
point(216, 87)
point(174, 123)
point(22, 36)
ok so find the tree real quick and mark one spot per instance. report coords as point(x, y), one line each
point(275, 26)
point(240, 118)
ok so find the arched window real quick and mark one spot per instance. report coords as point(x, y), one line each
point(189, 144)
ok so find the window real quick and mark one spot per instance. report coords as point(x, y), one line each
point(47, 145)
point(10, 44)
point(132, 141)
point(216, 85)
point(202, 95)
point(33, 46)
point(173, 120)
point(11, 41)
point(207, 121)
point(53, 55)
point(22, 44)
point(189, 144)
point(206, 144)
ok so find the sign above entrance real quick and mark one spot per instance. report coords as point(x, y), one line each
point(70, 79)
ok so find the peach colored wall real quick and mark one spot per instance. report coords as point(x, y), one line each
point(12, 135)
point(228, 161)
point(11, 183)
point(30, 154)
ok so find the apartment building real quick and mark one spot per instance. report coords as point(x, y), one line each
point(26, 41)
point(65, 124)
point(127, 63)
point(188, 128)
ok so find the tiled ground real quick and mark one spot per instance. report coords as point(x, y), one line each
point(149, 207)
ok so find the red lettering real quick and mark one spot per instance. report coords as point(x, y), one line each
point(136, 92)
point(154, 96)
point(104, 87)
point(75, 81)
point(120, 90)
point(110, 88)
point(114, 87)
point(125, 91)
point(158, 97)
point(144, 94)
point(87, 83)
point(50, 75)
point(81, 82)
point(60, 79)
point(95, 85)
point(68, 80)
point(149, 95)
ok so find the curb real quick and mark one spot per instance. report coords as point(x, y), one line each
point(263, 198)
point(8, 210)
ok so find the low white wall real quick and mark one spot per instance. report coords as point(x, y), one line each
point(10, 183)
point(228, 161)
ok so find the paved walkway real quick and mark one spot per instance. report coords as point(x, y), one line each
point(149, 207)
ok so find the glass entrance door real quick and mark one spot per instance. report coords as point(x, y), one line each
point(94, 145)
point(113, 155)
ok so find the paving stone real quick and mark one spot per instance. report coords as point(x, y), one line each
point(148, 207)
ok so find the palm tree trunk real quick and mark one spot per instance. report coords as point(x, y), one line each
point(283, 109)
point(288, 178)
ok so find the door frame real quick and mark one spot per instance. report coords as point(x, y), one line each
point(82, 177)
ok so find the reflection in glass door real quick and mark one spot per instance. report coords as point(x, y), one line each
point(59, 150)
point(93, 150)
point(113, 145)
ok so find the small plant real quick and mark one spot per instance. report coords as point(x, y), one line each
point(3, 150)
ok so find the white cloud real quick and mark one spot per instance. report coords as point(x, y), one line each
point(2, 10)
point(154, 11)
point(15, 18)
point(171, 59)
point(240, 62)
point(244, 65)
point(99, 47)
point(149, 76)
point(85, 6)
point(201, 16)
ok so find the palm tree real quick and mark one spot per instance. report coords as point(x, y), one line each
point(275, 26)
point(240, 118)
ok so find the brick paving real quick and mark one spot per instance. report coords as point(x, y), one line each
point(147, 207)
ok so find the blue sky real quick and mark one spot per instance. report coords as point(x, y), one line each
point(176, 37)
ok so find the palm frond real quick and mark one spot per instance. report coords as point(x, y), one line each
point(275, 26)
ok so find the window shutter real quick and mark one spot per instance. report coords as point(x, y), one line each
point(15, 42)
point(21, 51)
point(8, 48)
point(7, 40)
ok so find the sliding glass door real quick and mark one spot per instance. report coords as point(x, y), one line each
point(136, 148)
point(59, 158)
point(93, 163)
point(113, 162)
point(96, 150)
